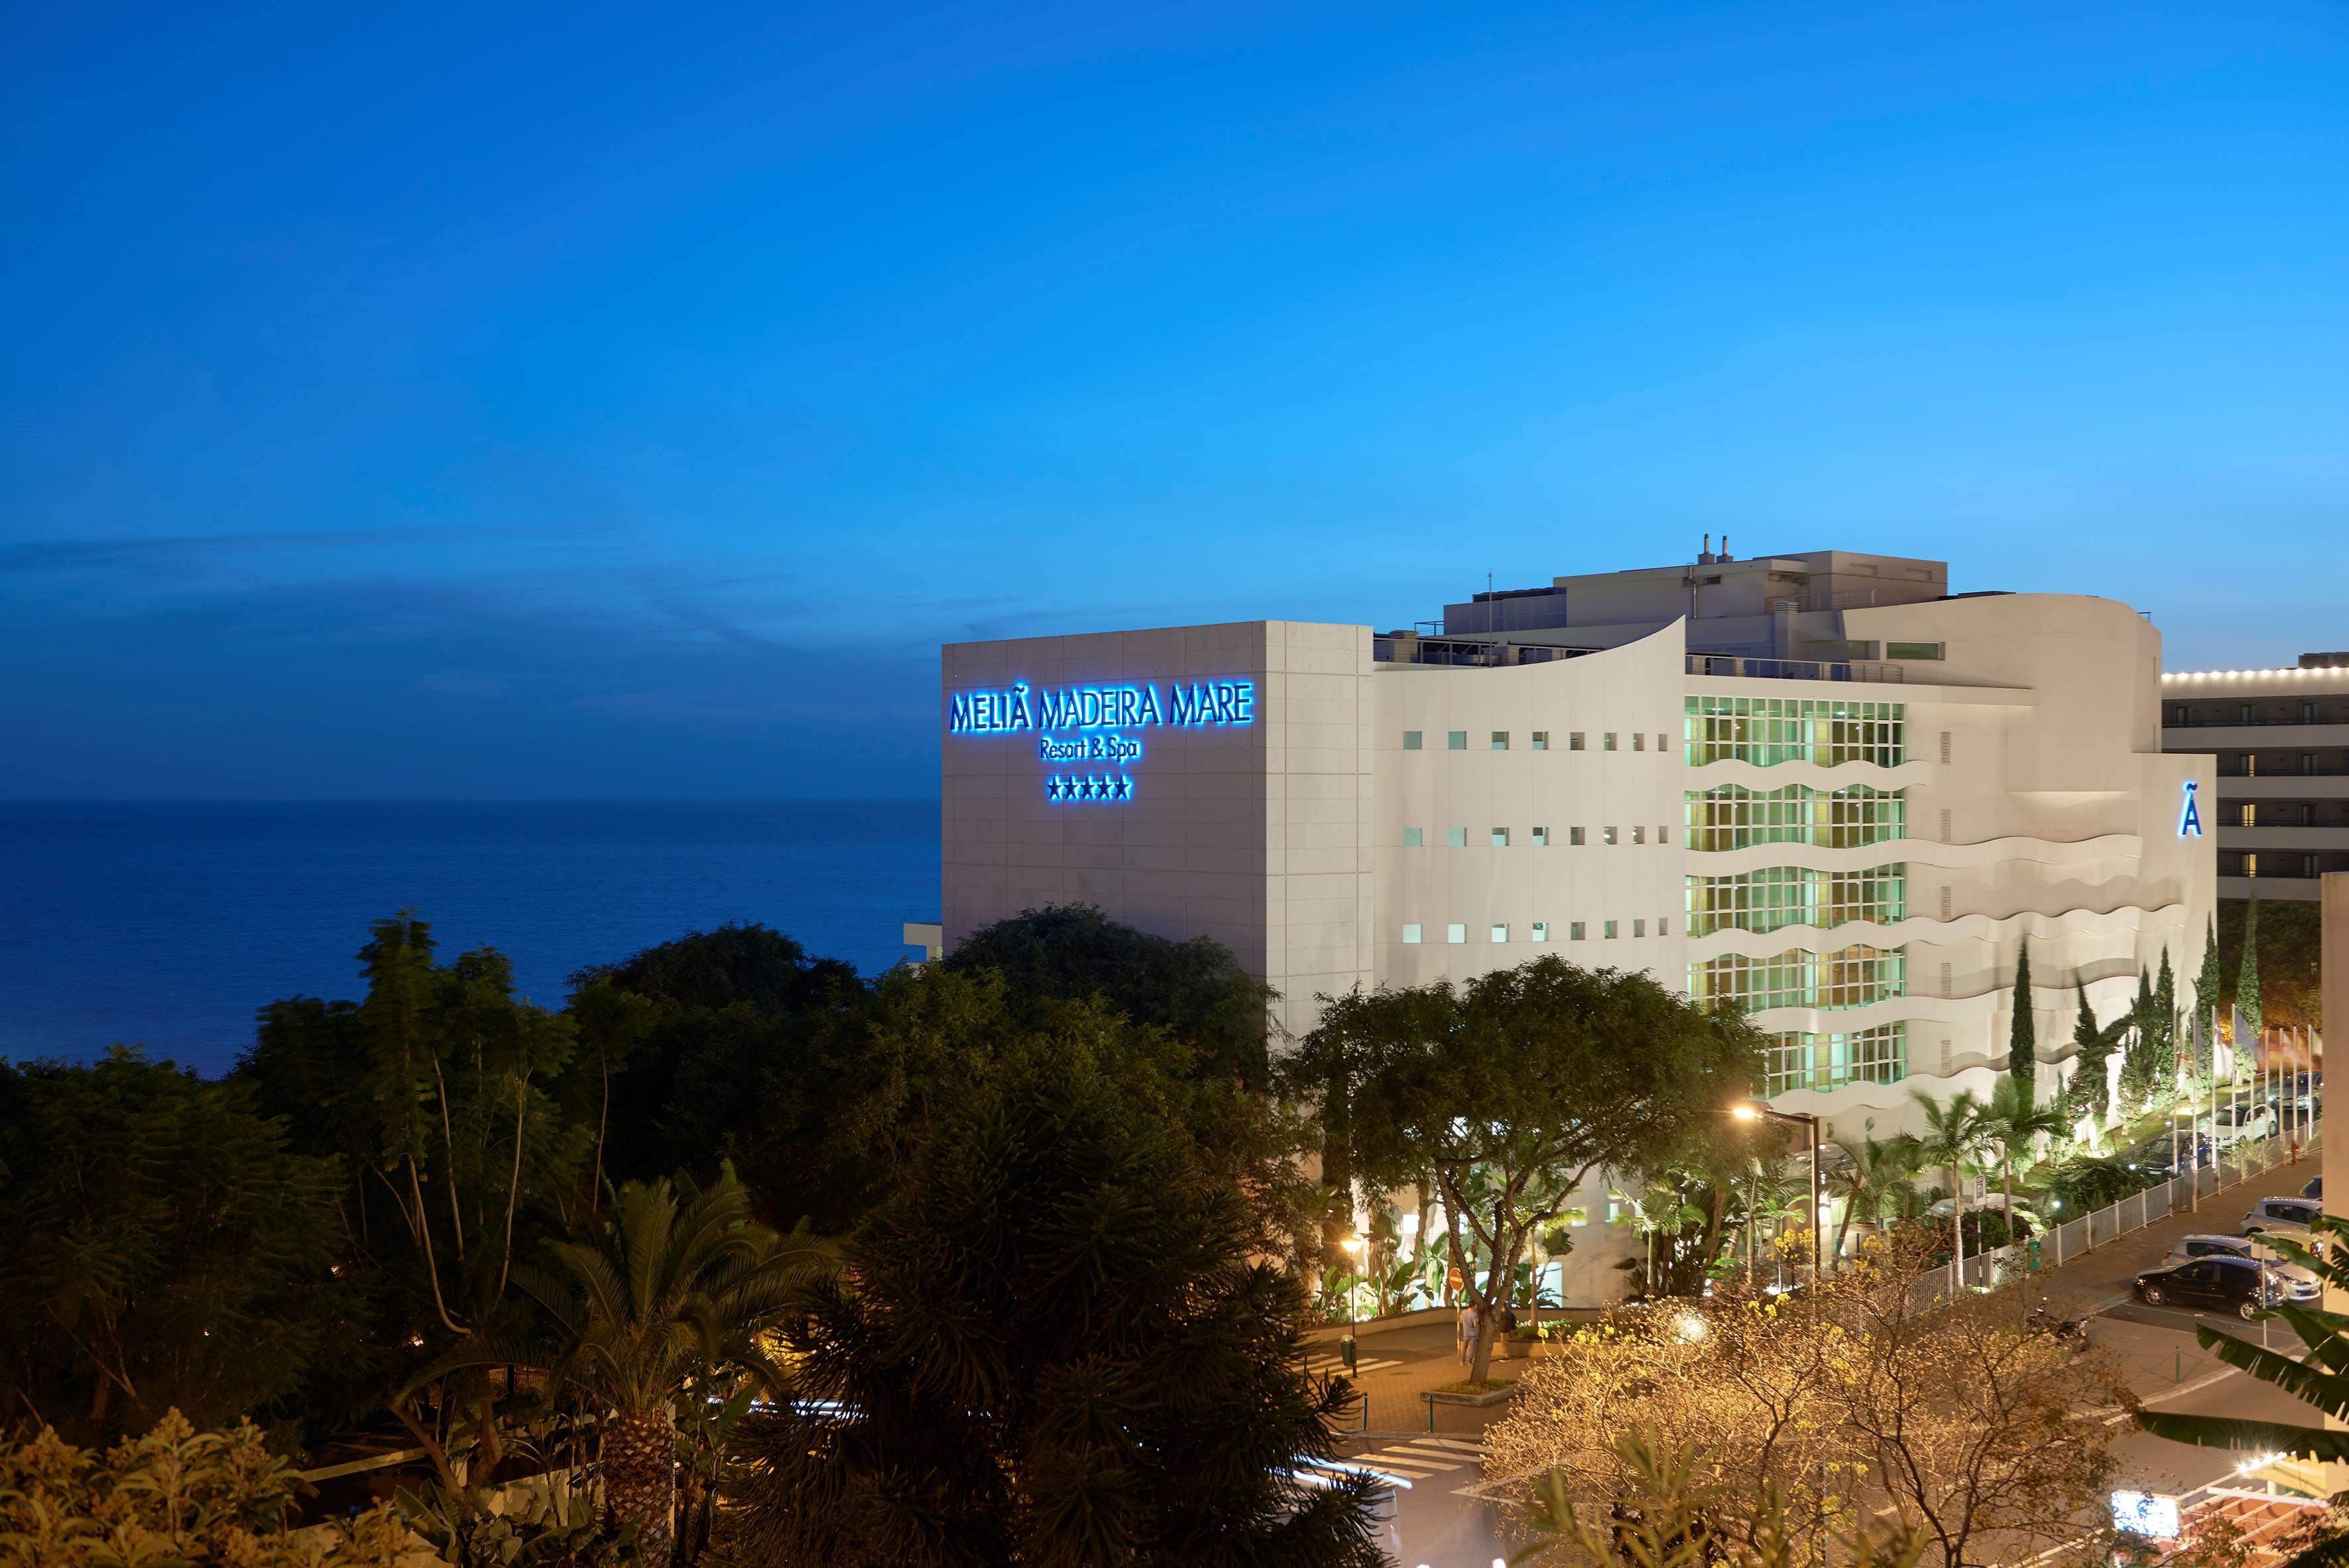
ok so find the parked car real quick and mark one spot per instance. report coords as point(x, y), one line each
point(2315, 1188)
point(2300, 1284)
point(2232, 1124)
point(2221, 1284)
point(2282, 1216)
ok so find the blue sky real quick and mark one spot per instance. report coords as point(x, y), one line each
point(615, 401)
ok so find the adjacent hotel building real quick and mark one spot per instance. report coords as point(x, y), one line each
point(2283, 742)
point(1820, 785)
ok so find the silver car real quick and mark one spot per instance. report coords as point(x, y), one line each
point(2298, 1283)
point(2282, 1216)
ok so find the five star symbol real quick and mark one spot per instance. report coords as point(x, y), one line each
point(1089, 787)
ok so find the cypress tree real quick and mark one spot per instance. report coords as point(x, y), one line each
point(2136, 1062)
point(2208, 983)
point(2164, 1024)
point(2023, 1038)
point(2091, 1090)
point(2247, 985)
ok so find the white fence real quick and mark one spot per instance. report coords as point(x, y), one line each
point(2083, 1233)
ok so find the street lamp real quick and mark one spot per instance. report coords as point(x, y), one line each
point(1750, 1110)
point(1354, 1245)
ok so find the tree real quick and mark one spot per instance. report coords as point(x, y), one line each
point(1536, 1078)
point(1195, 990)
point(164, 1247)
point(2208, 981)
point(2023, 1038)
point(1050, 1345)
point(2014, 1125)
point(1957, 1133)
point(2164, 1024)
point(2137, 1056)
point(660, 1305)
point(2250, 1016)
point(2291, 958)
point(1870, 1171)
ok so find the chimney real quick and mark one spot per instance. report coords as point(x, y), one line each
point(1705, 556)
point(1724, 554)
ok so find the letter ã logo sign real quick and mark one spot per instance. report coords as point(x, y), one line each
point(1089, 728)
point(2189, 815)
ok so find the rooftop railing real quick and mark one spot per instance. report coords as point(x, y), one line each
point(1738, 667)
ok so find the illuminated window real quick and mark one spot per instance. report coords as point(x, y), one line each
point(1766, 730)
point(1411, 934)
point(1500, 740)
point(1778, 896)
point(1456, 837)
point(1456, 934)
point(1540, 931)
point(1733, 817)
point(1541, 838)
point(2251, 814)
point(1500, 933)
point(1852, 976)
point(1823, 1062)
point(1500, 837)
point(1410, 740)
point(1411, 837)
point(1541, 740)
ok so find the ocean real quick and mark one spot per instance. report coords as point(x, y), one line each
point(168, 924)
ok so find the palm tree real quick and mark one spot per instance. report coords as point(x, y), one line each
point(1956, 1134)
point(1872, 1168)
point(2014, 1125)
point(661, 1302)
point(1659, 1209)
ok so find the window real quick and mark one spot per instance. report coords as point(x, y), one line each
point(1411, 837)
point(1580, 1215)
point(2308, 762)
point(1607, 930)
point(2308, 865)
point(1456, 934)
point(1456, 837)
point(1779, 896)
point(1660, 740)
point(2176, 715)
point(1639, 835)
point(2308, 712)
point(1574, 741)
point(1606, 835)
point(2251, 814)
point(1914, 650)
point(1663, 925)
point(1574, 932)
point(1945, 746)
point(1733, 817)
point(1500, 740)
point(1606, 741)
point(1664, 834)
point(1639, 740)
point(1540, 931)
point(1830, 1061)
point(1765, 730)
point(1541, 740)
point(1639, 928)
point(1410, 740)
point(1852, 976)
point(1500, 837)
point(1500, 933)
point(1410, 933)
point(2243, 712)
point(1573, 836)
point(1541, 838)
point(1455, 740)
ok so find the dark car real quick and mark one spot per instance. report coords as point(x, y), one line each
point(2315, 1188)
point(2214, 1284)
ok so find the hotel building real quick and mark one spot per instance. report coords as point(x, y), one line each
point(2282, 779)
point(1818, 785)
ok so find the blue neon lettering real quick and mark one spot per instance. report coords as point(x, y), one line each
point(2190, 816)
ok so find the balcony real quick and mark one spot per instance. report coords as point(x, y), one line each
point(2320, 768)
point(1467, 654)
point(1737, 666)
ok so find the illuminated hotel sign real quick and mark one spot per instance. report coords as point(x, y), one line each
point(1100, 718)
point(2189, 815)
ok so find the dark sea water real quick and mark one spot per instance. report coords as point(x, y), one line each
point(166, 924)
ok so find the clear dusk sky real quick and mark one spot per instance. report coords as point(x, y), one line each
point(614, 401)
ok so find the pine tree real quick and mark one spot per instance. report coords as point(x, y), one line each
point(2136, 1061)
point(2164, 1024)
point(2023, 1039)
point(2248, 1013)
point(2091, 1046)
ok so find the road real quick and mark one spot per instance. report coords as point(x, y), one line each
point(1438, 1522)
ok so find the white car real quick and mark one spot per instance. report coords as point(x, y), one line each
point(2282, 1216)
point(2298, 1283)
point(2235, 1123)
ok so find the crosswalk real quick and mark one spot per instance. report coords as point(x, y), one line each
point(1429, 1459)
point(1330, 1367)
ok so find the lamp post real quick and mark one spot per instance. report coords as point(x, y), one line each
point(1353, 1245)
point(1752, 1111)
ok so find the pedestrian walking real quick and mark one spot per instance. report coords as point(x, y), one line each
point(1467, 1334)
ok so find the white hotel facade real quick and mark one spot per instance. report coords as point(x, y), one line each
point(1818, 784)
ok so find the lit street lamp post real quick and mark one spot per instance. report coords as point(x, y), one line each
point(1751, 1111)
